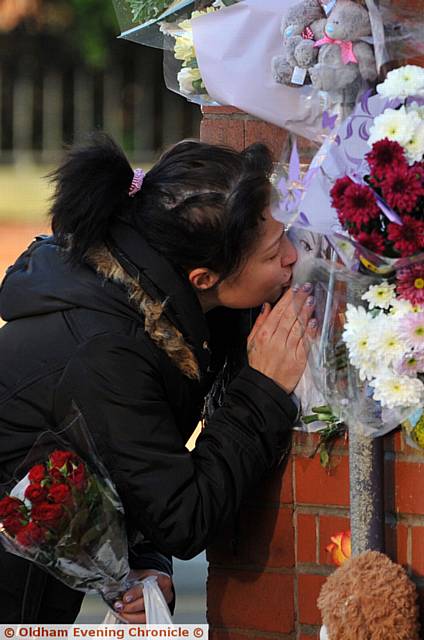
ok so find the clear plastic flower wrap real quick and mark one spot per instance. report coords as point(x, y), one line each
point(367, 364)
point(62, 512)
point(168, 25)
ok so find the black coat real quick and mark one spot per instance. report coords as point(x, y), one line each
point(73, 336)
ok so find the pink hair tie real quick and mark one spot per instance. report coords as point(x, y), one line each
point(137, 181)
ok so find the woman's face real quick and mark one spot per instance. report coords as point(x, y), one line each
point(266, 274)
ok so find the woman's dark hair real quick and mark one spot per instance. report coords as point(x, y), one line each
point(200, 205)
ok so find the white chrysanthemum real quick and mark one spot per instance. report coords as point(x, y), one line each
point(356, 317)
point(393, 390)
point(358, 336)
point(380, 295)
point(415, 145)
point(419, 109)
point(400, 308)
point(394, 124)
point(361, 355)
point(403, 82)
point(386, 341)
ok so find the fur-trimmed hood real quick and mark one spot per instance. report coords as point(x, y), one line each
point(134, 282)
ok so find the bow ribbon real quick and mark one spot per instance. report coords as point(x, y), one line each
point(346, 47)
point(307, 34)
point(292, 189)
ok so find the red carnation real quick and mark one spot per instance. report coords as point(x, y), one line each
point(46, 513)
point(31, 534)
point(373, 241)
point(386, 156)
point(10, 506)
point(13, 524)
point(37, 473)
point(360, 205)
point(60, 494)
point(402, 189)
point(59, 459)
point(407, 238)
point(35, 493)
point(338, 190)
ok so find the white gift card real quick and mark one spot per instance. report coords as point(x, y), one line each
point(298, 76)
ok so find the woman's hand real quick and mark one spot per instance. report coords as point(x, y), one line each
point(131, 607)
point(278, 343)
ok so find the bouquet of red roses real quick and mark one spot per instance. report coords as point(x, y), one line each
point(66, 516)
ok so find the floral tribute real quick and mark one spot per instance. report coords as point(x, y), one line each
point(189, 77)
point(386, 344)
point(55, 493)
point(383, 209)
point(66, 516)
point(367, 197)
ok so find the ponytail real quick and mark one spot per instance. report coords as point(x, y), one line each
point(91, 190)
point(199, 205)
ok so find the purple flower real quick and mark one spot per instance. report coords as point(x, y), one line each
point(412, 329)
point(411, 363)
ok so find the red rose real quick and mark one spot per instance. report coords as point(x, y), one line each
point(46, 513)
point(10, 506)
point(35, 493)
point(58, 459)
point(31, 534)
point(37, 473)
point(56, 475)
point(60, 493)
point(78, 478)
point(13, 524)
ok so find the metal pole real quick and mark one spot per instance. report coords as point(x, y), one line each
point(366, 469)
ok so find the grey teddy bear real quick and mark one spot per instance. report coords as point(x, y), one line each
point(298, 50)
point(347, 24)
point(337, 67)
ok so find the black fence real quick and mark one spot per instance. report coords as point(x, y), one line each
point(49, 98)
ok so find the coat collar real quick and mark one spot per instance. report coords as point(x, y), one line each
point(161, 280)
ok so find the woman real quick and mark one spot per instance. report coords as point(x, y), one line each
point(130, 311)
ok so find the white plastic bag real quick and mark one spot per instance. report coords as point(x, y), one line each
point(157, 610)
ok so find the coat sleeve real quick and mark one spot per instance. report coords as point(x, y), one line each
point(176, 498)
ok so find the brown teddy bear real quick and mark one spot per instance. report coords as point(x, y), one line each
point(369, 598)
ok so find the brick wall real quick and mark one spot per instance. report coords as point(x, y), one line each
point(268, 585)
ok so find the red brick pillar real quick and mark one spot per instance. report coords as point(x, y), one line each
point(268, 588)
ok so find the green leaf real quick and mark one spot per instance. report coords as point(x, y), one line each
point(324, 458)
point(144, 10)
